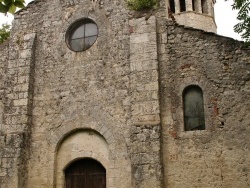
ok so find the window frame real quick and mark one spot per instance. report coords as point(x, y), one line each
point(202, 106)
point(74, 26)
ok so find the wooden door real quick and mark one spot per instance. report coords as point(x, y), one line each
point(85, 173)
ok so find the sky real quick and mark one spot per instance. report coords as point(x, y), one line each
point(225, 18)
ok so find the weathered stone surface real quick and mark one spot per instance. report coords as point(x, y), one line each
point(145, 156)
point(120, 101)
point(212, 157)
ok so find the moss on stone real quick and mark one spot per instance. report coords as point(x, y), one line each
point(141, 4)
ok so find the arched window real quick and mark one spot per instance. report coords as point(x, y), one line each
point(182, 5)
point(86, 173)
point(195, 5)
point(194, 118)
point(172, 6)
point(204, 7)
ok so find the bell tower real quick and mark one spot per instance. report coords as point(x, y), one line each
point(194, 13)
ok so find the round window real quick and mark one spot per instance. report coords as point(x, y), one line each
point(82, 35)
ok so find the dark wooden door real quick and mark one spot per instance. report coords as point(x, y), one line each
point(85, 173)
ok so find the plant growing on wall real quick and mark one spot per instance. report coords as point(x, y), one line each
point(10, 5)
point(243, 27)
point(141, 4)
point(4, 32)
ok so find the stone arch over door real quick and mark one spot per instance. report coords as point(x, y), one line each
point(77, 145)
point(117, 163)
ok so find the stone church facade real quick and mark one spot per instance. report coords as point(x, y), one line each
point(132, 99)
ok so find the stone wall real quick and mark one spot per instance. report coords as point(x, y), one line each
point(198, 14)
point(196, 20)
point(3, 59)
point(92, 92)
point(78, 92)
point(125, 95)
point(4, 164)
point(18, 66)
point(145, 156)
point(145, 119)
point(217, 156)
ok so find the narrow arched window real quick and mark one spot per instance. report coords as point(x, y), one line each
point(195, 5)
point(182, 5)
point(204, 7)
point(194, 118)
point(172, 6)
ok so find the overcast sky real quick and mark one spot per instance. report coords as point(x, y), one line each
point(224, 16)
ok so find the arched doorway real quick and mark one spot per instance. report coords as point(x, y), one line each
point(85, 173)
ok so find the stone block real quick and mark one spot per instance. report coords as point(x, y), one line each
point(24, 54)
point(21, 102)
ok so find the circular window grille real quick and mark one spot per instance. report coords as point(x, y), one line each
point(81, 35)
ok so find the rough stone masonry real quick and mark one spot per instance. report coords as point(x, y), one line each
point(121, 101)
